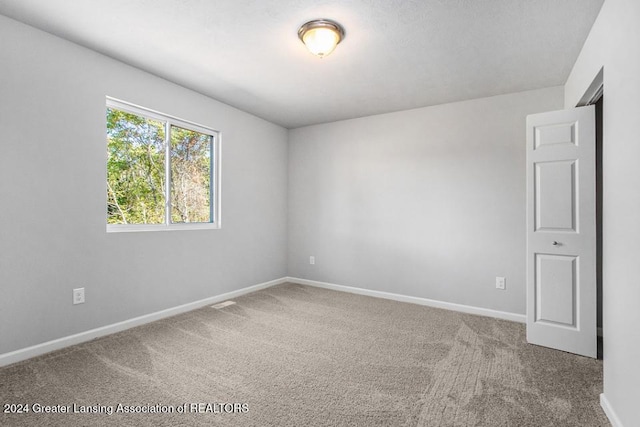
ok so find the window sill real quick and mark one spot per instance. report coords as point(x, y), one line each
point(134, 228)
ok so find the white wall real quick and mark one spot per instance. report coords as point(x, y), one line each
point(614, 43)
point(53, 207)
point(427, 202)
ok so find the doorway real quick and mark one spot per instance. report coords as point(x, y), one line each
point(599, 203)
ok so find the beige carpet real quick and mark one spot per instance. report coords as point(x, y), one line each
point(302, 356)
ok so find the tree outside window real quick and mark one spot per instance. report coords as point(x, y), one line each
point(160, 170)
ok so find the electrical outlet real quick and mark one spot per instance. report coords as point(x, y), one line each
point(78, 296)
point(501, 283)
point(312, 260)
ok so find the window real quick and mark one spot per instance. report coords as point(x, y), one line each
point(162, 172)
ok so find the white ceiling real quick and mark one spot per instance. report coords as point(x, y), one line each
point(397, 54)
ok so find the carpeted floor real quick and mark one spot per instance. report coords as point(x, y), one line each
point(301, 356)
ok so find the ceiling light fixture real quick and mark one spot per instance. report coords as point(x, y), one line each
point(321, 36)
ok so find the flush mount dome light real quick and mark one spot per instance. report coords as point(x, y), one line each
point(321, 36)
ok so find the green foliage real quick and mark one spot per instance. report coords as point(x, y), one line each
point(136, 171)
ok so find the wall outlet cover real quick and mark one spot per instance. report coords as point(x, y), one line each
point(78, 296)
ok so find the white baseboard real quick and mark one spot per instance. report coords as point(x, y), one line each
point(521, 318)
point(49, 346)
point(57, 344)
point(608, 410)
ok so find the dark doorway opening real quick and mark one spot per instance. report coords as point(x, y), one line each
point(599, 181)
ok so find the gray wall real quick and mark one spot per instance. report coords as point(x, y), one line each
point(427, 202)
point(52, 197)
point(614, 43)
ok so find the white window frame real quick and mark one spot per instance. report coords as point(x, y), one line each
point(215, 177)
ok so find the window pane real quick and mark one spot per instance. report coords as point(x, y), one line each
point(190, 176)
point(135, 169)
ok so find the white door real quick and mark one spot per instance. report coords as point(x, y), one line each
point(561, 230)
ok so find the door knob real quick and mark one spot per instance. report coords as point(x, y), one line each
point(555, 243)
